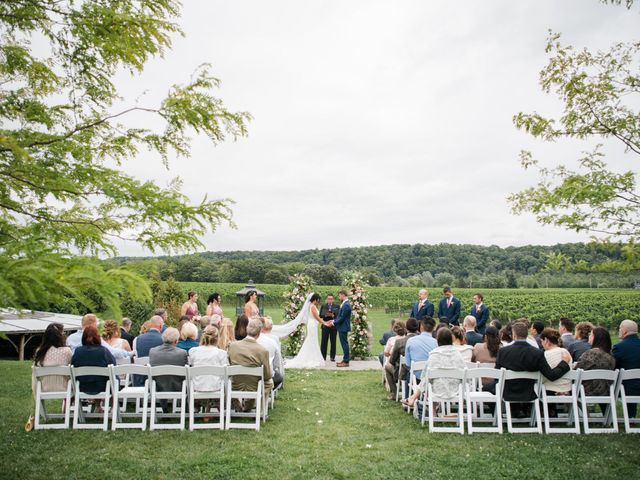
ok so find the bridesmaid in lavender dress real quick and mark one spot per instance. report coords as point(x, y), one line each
point(213, 305)
point(190, 307)
point(250, 307)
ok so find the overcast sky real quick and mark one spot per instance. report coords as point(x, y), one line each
point(375, 122)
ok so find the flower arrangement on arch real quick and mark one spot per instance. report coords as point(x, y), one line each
point(360, 336)
point(295, 297)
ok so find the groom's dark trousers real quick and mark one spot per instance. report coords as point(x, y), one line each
point(344, 341)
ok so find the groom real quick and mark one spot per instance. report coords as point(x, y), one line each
point(342, 323)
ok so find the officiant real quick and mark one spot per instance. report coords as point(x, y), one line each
point(328, 311)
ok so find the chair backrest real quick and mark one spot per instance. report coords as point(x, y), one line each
point(130, 370)
point(418, 366)
point(93, 371)
point(471, 365)
point(240, 370)
point(632, 374)
point(141, 360)
point(40, 372)
point(481, 372)
point(162, 370)
point(572, 375)
point(513, 375)
point(207, 370)
point(457, 373)
point(123, 361)
point(611, 375)
point(486, 364)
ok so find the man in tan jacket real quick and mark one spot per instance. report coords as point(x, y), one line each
point(249, 353)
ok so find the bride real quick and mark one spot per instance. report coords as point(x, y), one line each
point(309, 355)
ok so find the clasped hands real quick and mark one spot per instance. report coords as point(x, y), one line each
point(329, 323)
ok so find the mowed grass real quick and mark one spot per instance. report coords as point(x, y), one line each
point(326, 425)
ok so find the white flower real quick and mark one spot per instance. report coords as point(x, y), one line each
point(320, 422)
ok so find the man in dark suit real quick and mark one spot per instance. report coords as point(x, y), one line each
point(481, 312)
point(566, 329)
point(520, 356)
point(627, 355)
point(168, 354)
point(385, 338)
point(342, 323)
point(152, 338)
point(393, 369)
point(328, 312)
point(124, 331)
point(449, 307)
point(423, 307)
point(470, 334)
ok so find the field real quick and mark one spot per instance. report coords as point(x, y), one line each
point(605, 307)
point(326, 425)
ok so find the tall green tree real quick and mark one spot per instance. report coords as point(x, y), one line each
point(599, 92)
point(66, 139)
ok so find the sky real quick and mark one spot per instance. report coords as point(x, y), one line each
point(375, 122)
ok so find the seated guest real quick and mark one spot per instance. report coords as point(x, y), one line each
point(188, 337)
point(505, 336)
point(522, 357)
point(445, 355)
point(125, 330)
point(460, 343)
point(241, 327)
point(203, 323)
point(469, 324)
point(90, 320)
point(566, 332)
point(419, 347)
point(627, 355)
point(496, 323)
point(530, 338)
point(399, 331)
point(183, 320)
point(385, 338)
point(52, 352)
point(207, 353)
point(248, 353)
point(216, 320)
point(553, 353)
point(227, 334)
point(152, 338)
point(393, 369)
point(144, 328)
point(111, 335)
point(275, 355)
point(536, 329)
point(598, 357)
point(92, 354)
point(438, 327)
point(168, 354)
point(487, 351)
point(581, 345)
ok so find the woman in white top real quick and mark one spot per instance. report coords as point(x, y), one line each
point(460, 343)
point(208, 354)
point(553, 354)
point(400, 331)
point(111, 335)
point(52, 352)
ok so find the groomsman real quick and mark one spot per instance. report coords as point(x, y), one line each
point(449, 307)
point(481, 312)
point(328, 312)
point(423, 307)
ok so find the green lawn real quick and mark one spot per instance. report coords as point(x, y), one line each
point(326, 424)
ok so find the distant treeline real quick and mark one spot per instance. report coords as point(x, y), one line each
point(464, 266)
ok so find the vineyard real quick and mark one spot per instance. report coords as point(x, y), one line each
point(605, 307)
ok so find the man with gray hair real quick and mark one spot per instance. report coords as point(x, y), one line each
point(627, 355)
point(275, 355)
point(168, 354)
point(152, 338)
point(124, 331)
point(423, 307)
point(249, 353)
point(469, 324)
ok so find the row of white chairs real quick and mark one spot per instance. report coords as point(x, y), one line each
point(120, 390)
point(470, 401)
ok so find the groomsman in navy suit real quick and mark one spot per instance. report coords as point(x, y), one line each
point(342, 323)
point(423, 307)
point(449, 307)
point(481, 312)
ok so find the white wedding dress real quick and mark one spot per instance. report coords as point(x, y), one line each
point(309, 355)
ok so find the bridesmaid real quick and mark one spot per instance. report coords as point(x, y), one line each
point(190, 307)
point(250, 308)
point(213, 305)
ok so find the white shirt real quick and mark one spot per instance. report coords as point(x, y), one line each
point(271, 347)
point(207, 355)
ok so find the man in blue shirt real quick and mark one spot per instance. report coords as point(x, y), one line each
point(419, 347)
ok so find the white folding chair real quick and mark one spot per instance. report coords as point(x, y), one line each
point(206, 370)
point(570, 400)
point(416, 366)
point(41, 373)
point(477, 398)
point(139, 394)
point(433, 399)
point(535, 410)
point(173, 396)
point(79, 416)
point(625, 375)
point(240, 395)
point(609, 415)
point(401, 385)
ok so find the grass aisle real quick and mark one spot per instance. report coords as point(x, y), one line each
point(326, 424)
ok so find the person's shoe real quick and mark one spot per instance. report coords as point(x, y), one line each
point(333, 359)
point(342, 364)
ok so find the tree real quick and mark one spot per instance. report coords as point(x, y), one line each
point(599, 92)
point(65, 138)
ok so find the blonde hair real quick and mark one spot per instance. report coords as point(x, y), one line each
point(189, 330)
point(209, 336)
point(227, 334)
point(144, 328)
point(111, 330)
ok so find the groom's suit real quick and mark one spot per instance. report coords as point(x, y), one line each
point(342, 323)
